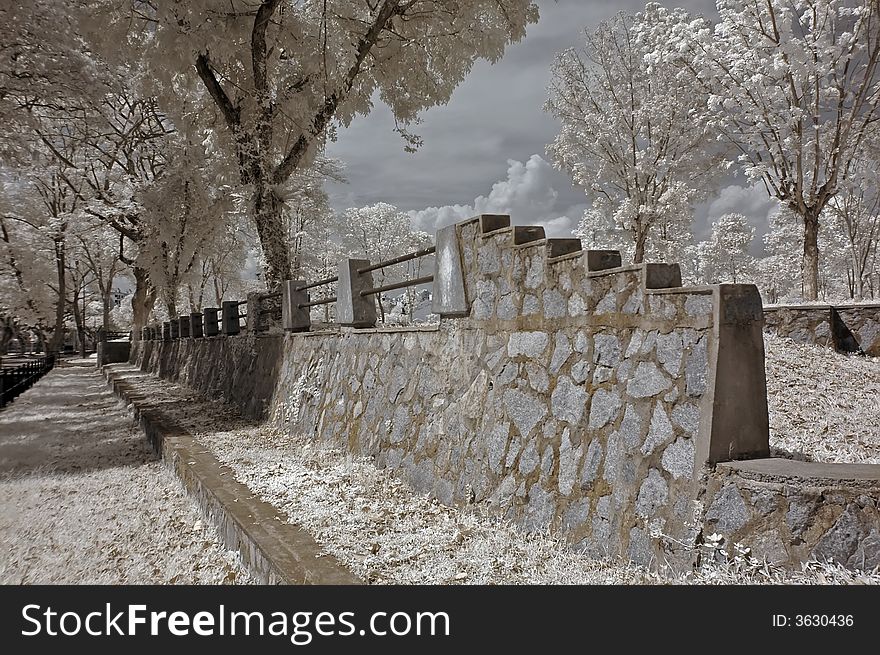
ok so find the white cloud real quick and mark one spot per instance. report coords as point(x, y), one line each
point(527, 195)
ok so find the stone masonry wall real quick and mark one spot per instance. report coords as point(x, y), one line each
point(589, 401)
point(850, 328)
point(789, 512)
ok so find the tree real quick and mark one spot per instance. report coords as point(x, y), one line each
point(725, 256)
point(381, 232)
point(183, 217)
point(634, 133)
point(101, 250)
point(795, 87)
point(855, 214)
point(780, 269)
point(282, 73)
point(27, 263)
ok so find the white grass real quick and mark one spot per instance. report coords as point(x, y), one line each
point(824, 406)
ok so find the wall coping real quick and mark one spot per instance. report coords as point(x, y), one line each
point(823, 307)
point(778, 469)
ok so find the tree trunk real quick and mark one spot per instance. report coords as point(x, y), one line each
point(811, 254)
point(270, 228)
point(105, 309)
point(58, 335)
point(142, 301)
point(639, 254)
point(79, 321)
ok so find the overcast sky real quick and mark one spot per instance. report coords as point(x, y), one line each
point(484, 151)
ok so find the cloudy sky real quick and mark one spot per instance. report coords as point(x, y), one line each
point(484, 152)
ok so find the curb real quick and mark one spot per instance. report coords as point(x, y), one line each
point(272, 550)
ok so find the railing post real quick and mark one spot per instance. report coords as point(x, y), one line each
point(352, 309)
point(254, 319)
point(183, 323)
point(293, 317)
point(230, 318)
point(166, 331)
point(212, 323)
point(195, 325)
point(175, 329)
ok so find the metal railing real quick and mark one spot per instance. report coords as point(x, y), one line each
point(16, 380)
point(226, 320)
point(392, 262)
point(312, 285)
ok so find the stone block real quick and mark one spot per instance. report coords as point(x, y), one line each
point(195, 325)
point(230, 318)
point(183, 326)
point(661, 276)
point(523, 234)
point(492, 222)
point(560, 247)
point(601, 260)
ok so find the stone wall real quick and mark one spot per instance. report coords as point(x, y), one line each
point(790, 512)
point(565, 395)
point(563, 391)
point(241, 370)
point(848, 328)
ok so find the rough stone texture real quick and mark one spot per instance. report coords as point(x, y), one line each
point(789, 511)
point(544, 412)
point(843, 327)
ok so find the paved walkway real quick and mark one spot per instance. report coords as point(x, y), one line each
point(83, 499)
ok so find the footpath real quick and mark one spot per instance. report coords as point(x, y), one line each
point(85, 500)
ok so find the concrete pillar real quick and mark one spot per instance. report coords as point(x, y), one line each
point(212, 322)
point(195, 325)
point(230, 318)
point(293, 317)
point(175, 328)
point(183, 322)
point(353, 309)
point(448, 296)
point(166, 331)
point(737, 390)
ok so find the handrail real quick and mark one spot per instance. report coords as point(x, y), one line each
point(329, 280)
point(398, 285)
point(323, 301)
point(398, 260)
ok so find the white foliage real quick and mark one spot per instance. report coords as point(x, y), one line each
point(634, 130)
point(725, 256)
